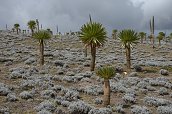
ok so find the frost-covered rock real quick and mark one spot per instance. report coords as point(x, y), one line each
point(72, 78)
point(133, 80)
point(98, 101)
point(87, 74)
point(137, 68)
point(79, 107)
point(26, 95)
point(93, 90)
point(60, 111)
point(144, 91)
point(140, 110)
point(163, 72)
point(4, 91)
point(129, 98)
point(152, 101)
point(170, 95)
point(44, 112)
point(143, 84)
point(150, 88)
point(46, 105)
point(30, 61)
point(57, 88)
point(71, 95)
point(27, 84)
point(60, 72)
point(118, 87)
point(164, 110)
point(161, 81)
point(119, 69)
point(17, 73)
point(4, 110)
point(12, 97)
point(133, 74)
point(59, 63)
point(48, 94)
point(65, 103)
point(163, 91)
point(119, 109)
point(100, 111)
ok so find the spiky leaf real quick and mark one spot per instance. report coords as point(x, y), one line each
point(128, 37)
point(93, 34)
point(42, 34)
point(106, 72)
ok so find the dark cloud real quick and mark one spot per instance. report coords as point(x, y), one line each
point(71, 14)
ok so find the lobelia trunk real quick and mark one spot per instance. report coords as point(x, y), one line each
point(142, 40)
point(41, 52)
point(32, 31)
point(128, 57)
point(153, 41)
point(159, 42)
point(85, 51)
point(106, 88)
point(17, 31)
point(93, 57)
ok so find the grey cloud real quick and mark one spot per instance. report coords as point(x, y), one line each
point(71, 14)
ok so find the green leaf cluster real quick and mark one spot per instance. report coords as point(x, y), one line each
point(128, 37)
point(93, 33)
point(106, 72)
point(42, 34)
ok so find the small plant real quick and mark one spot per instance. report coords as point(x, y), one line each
point(128, 38)
point(41, 36)
point(142, 35)
point(32, 26)
point(16, 26)
point(93, 34)
point(106, 73)
point(114, 33)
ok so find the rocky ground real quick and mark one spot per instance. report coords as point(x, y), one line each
point(64, 85)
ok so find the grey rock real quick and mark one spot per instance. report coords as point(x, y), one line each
point(59, 63)
point(129, 98)
point(65, 103)
point(163, 91)
point(4, 91)
point(4, 110)
point(12, 97)
point(70, 73)
point(8, 63)
point(71, 95)
point(133, 74)
point(30, 61)
point(137, 68)
point(98, 101)
point(163, 72)
point(26, 95)
point(48, 94)
point(59, 111)
point(119, 109)
point(119, 69)
point(44, 112)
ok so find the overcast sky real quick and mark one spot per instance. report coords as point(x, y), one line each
point(72, 14)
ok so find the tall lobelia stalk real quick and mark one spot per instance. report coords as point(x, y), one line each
point(152, 27)
point(85, 48)
point(37, 23)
